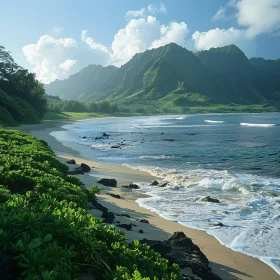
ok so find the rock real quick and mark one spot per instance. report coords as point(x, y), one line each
point(105, 134)
point(123, 215)
point(154, 183)
point(71, 161)
point(181, 250)
point(170, 140)
point(210, 199)
point(141, 231)
point(108, 182)
point(125, 187)
point(114, 195)
point(126, 226)
point(84, 137)
point(108, 217)
point(81, 169)
point(115, 147)
point(133, 186)
point(98, 138)
point(76, 171)
point(163, 185)
point(133, 225)
point(98, 206)
point(117, 222)
point(218, 224)
point(142, 221)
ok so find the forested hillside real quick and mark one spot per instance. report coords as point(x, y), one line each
point(171, 76)
point(21, 95)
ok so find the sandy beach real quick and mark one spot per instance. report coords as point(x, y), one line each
point(224, 262)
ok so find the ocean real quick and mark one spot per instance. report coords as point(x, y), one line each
point(231, 157)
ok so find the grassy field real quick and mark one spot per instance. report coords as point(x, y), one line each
point(71, 115)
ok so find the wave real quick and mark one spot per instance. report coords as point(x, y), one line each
point(180, 118)
point(156, 157)
point(210, 121)
point(250, 214)
point(258, 124)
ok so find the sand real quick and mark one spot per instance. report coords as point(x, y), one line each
point(224, 262)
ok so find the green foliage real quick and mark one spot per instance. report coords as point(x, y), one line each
point(45, 225)
point(21, 95)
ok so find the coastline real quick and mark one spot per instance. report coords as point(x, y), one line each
point(224, 262)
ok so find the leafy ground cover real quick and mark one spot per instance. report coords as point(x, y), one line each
point(44, 226)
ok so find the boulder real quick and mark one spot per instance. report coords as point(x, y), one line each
point(76, 171)
point(154, 183)
point(133, 186)
point(218, 224)
point(181, 250)
point(116, 147)
point(125, 226)
point(105, 134)
point(71, 161)
point(142, 221)
point(210, 199)
point(108, 182)
point(83, 168)
point(99, 206)
point(108, 217)
point(141, 231)
point(114, 195)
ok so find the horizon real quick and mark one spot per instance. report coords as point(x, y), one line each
point(60, 39)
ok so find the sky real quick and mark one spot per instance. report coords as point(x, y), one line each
point(57, 38)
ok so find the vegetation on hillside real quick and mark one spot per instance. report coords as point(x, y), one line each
point(21, 95)
point(44, 226)
point(217, 76)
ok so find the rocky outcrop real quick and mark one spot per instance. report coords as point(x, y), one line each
point(99, 206)
point(154, 183)
point(181, 250)
point(81, 169)
point(71, 161)
point(123, 215)
point(131, 186)
point(162, 185)
point(125, 226)
point(108, 217)
point(142, 221)
point(108, 182)
point(114, 195)
point(210, 199)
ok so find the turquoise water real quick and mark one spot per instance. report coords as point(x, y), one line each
point(232, 157)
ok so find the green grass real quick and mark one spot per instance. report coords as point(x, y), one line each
point(71, 115)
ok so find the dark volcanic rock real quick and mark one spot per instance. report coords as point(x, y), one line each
point(105, 134)
point(108, 182)
point(81, 169)
point(141, 231)
point(218, 224)
point(114, 195)
point(76, 171)
point(154, 183)
point(98, 206)
point(126, 226)
point(108, 217)
point(181, 250)
point(116, 147)
point(210, 199)
point(71, 161)
point(133, 186)
point(142, 221)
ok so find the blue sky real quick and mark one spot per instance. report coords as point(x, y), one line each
point(56, 38)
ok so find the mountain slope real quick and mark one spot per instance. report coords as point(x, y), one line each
point(173, 76)
point(81, 84)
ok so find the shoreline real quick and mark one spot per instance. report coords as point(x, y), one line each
point(224, 262)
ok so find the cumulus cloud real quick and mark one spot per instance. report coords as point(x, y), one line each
point(259, 16)
point(152, 9)
point(56, 30)
point(136, 13)
point(218, 38)
point(67, 64)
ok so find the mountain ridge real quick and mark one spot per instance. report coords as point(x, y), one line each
point(219, 75)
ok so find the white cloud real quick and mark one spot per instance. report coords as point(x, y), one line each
point(218, 38)
point(259, 16)
point(153, 9)
point(56, 30)
point(67, 64)
point(136, 13)
point(220, 15)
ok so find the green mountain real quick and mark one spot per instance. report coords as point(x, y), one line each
point(172, 76)
point(81, 84)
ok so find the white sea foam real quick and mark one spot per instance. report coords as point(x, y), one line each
point(156, 157)
point(258, 124)
point(210, 121)
point(249, 212)
point(180, 118)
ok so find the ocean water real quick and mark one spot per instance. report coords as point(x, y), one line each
point(232, 157)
